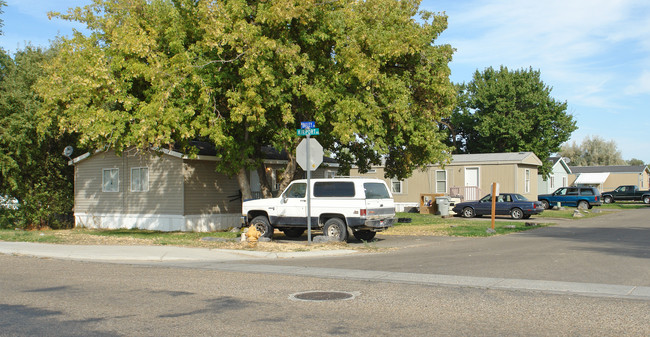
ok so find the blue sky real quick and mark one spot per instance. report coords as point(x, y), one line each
point(595, 54)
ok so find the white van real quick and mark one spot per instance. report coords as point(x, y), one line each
point(340, 206)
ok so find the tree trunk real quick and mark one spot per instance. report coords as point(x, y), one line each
point(265, 186)
point(289, 172)
point(244, 184)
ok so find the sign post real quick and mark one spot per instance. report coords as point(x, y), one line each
point(495, 194)
point(305, 150)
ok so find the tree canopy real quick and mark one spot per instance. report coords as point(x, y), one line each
point(244, 74)
point(32, 168)
point(593, 151)
point(509, 111)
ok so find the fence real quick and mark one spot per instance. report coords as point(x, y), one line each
point(466, 193)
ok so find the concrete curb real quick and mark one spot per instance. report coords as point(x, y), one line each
point(150, 253)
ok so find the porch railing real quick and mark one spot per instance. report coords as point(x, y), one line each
point(465, 193)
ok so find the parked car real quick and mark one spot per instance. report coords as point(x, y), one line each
point(513, 204)
point(626, 193)
point(581, 196)
point(339, 206)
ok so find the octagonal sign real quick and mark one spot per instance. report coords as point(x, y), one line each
point(315, 154)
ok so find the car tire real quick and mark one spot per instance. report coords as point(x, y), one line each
point(545, 204)
point(293, 232)
point(263, 226)
point(583, 204)
point(335, 228)
point(646, 199)
point(364, 235)
point(517, 213)
point(608, 199)
point(468, 212)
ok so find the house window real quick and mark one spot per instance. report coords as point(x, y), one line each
point(564, 181)
point(551, 181)
point(111, 180)
point(396, 186)
point(441, 181)
point(140, 179)
point(527, 182)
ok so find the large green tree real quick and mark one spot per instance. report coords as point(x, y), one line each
point(244, 74)
point(593, 151)
point(509, 111)
point(32, 167)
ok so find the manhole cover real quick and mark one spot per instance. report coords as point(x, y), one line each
point(323, 296)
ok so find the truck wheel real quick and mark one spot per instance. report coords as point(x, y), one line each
point(646, 199)
point(335, 228)
point(293, 232)
point(263, 226)
point(468, 212)
point(608, 199)
point(545, 204)
point(583, 204)
point(516, 213)
point(364, 235)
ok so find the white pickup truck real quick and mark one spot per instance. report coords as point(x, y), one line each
point(340, 206)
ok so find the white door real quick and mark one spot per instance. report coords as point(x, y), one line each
point(292, 209)
point(471, 183)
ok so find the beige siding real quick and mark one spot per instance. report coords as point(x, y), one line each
point(617, 179)
point(511, 178)
point(88, 195)
point(165, 185)
point(209, 192)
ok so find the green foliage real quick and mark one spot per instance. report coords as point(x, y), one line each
point(244, 74)
point(2, 4)
point(509, 111)
point(593, 151)
point(635, 162)
point(32, 168)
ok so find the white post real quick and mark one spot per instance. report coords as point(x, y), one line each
point(308, 192)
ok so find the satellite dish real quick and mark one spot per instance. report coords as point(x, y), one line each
point(68, 151)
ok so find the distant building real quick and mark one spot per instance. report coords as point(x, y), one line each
point(558, 177)
point(607, 178)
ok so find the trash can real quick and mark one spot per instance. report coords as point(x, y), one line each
point(443, 205)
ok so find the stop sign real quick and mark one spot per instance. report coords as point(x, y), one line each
point(315, 154)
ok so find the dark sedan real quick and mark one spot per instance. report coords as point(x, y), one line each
point(512, 204)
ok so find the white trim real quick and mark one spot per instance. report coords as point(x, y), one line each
point(527, 179)
point(140, 176)
point(436, 181)
point(401, 186)
point(158, 222)
point(104, 182)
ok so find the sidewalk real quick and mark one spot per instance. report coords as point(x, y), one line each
point(149, 253)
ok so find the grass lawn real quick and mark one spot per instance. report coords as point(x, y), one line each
point(427, 224)
point(117, 236)
point(421, 224)
point(567, 212)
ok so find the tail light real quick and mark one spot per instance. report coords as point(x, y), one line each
point(362, 212)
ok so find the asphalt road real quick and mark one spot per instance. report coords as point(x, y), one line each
point(50, 297)
point(44, 296)
point(610, 249)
